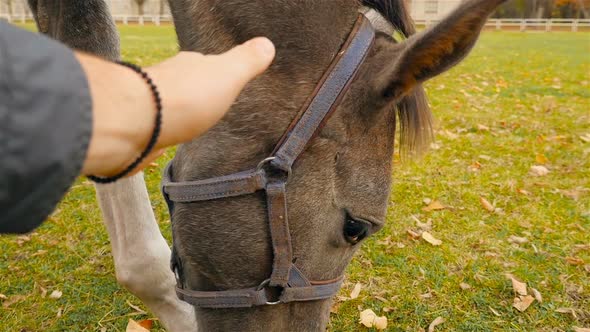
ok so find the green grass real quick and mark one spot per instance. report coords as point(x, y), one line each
point(518, 96)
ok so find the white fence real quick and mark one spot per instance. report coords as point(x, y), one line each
point(529, 24)
point(492, 24)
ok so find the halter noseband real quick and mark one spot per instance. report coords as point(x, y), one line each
point(271, 175)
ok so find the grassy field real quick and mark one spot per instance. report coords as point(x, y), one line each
point(520, 100)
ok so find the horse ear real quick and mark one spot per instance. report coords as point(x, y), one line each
point(435, 50)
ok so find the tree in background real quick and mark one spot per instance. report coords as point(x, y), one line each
point(544, 9)
point(526, 9)
point(572, 8)
point(140, 4)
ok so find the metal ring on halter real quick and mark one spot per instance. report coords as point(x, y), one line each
point(268, 161)
point(264, 163)
point(262, 286)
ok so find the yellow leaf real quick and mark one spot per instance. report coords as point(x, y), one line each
point(486, 204)
point(434, 206)
point(541, 159)
point(438, 321)
point(133, 326)
point(574, 261)
point(431, 239)
point(147, 323)
point(356, 291)
point(522, 303)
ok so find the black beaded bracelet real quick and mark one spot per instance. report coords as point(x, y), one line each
point(155, 133)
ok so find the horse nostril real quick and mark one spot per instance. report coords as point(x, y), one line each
point(355, 230)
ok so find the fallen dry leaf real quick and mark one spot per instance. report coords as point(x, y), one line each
point(431, 239)
point(465, 286)
point(537, 295)
point(335, 308)
point(574, 261)
point(585, 137)
point(381, 323)
point(43, 291)
point(539, 170)
point(387, 309)
point(486, 204)
point(12, 300)
point(570, 311)
point(369, 319)
point(427, 226)
point(517, 239)
point(133, 326)
point(497, 314)
point(523, 192)
point(3, 297)
point(136, 308)
point(518, 286)
point(413, 234)
point(147, 323)
point(541, 159)
point(522, 303)
point(434, 206)
point(436, 322)
point(356, 291)
point(581, 329)
point(482, 127)
point(56, 294)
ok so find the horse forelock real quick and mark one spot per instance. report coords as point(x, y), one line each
point(413, 110)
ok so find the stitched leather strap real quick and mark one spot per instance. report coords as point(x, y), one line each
point(327, 96)
point(298, 289)
point(279, 232)
point(233, 185)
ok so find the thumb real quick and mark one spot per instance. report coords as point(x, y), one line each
point(249, 60)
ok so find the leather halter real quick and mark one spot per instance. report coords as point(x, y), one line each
point(271, 175)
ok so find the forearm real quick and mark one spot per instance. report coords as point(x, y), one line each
point(123, 111)
point(196, 91)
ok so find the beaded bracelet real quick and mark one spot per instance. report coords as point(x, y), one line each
point(155, 133)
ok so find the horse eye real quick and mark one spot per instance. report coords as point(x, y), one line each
point(355, 230)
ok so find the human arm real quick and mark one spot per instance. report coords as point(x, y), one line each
point(63, 113)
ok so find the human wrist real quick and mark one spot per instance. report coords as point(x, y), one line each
point(121, 125)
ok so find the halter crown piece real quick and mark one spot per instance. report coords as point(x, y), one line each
point(271, 175)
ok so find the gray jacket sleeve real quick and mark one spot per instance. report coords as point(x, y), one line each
point(45, 126)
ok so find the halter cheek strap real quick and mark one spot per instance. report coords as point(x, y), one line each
point(271, 175)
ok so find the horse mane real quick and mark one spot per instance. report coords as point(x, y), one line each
point(413, 110)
